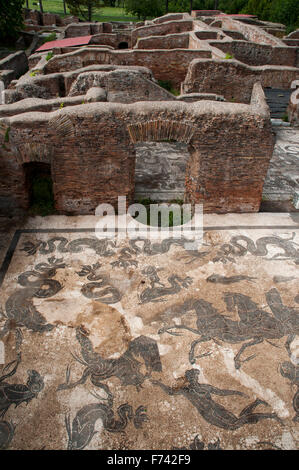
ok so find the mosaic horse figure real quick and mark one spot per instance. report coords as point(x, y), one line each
point(255, 324)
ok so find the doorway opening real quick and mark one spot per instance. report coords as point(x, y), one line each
point(123, 45)
point(39, 185)
point(160, 171)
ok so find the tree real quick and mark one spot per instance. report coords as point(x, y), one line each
point(144, 8)
point(286, 12)
point(64, 7)
point(11, 20)
point(83, 8)
point(260, 8)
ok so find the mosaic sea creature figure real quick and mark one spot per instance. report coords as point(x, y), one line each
point(234, 249)
point(6, 434)
point(157, 289)
point(197, 444)
point(15, 394)
point(100, 288)
point(126, 368)
point(200, 395)
point(82, 430)
point(218, 279)
point(291, 372)
point(255, 325)
point(63, 245)
point(278, 279)
point(19, 307)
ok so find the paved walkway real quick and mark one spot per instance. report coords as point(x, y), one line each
point(135, 345)
point(282, 181)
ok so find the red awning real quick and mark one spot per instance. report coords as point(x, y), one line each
point(68, 42)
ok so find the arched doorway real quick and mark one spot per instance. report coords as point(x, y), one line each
point(163, 153)
point(160, 171)
point(39, 187)
point(123, 45)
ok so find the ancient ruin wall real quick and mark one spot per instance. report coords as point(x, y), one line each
point(12, 66)
point(170, 27)
point(91, 150)
point(250, 32)
point(235, 80)
point(171, 41)
point(259, 54)
point(165, 64)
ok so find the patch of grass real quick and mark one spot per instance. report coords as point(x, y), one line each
point(148, 201)
point(50, 37)
point(102, 14)
point(34, 73)
point(6, 136)
point(228, 56)
point(167, 85)
point(285, 117)
point(49, 56)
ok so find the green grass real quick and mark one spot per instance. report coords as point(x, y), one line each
point(169, 87)
point(104, 14)
point(146, 202)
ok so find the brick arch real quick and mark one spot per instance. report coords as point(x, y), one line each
point(159, 130)
point(34, 152)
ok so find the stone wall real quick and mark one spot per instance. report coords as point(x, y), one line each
point(82, 29)
point(16, 63)
point(170, 41)
point(199, 13)
point(234, 80)
point(91, 150)
point(46, 19)
point(169, 17)
point(259, 54)
point(293, 35)
point(293, 108)
point(112, 39)
point(59, 84)
point(169, 65)
point(169, 27)
point(121, 86)
point(250, 32)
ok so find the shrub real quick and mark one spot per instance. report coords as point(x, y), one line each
point(167, 85)
point(50, 37)
point(49, 55)
point(34, 73)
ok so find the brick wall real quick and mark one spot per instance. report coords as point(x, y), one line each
point(235, 80)
point(169, 65)
point(258, 54)
point(92, 151)
point(250, 32)
point(171, 41)
point(170, 27)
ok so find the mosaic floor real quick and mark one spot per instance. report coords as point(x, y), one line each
point(144, 345)
point(282, 181)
